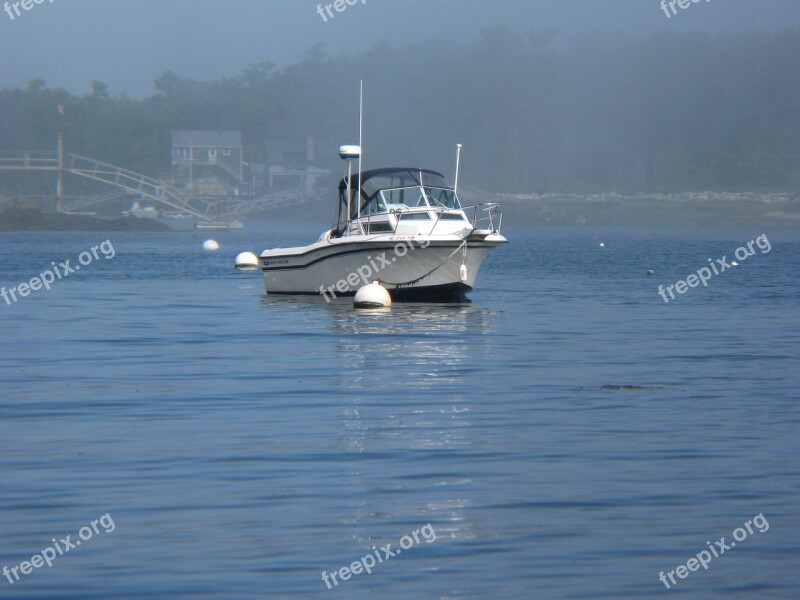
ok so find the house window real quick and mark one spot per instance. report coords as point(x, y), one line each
point(212, 153)
point(226, 152)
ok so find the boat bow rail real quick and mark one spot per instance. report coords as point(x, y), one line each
point(490, 222)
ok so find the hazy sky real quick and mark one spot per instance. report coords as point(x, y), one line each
point(127, 43)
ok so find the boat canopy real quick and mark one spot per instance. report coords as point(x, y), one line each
point(372, 182)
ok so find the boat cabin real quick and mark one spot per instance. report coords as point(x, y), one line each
point(398, 201)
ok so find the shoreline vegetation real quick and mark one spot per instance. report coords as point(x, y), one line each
point(31, 219)
point(679, 210)
point(780, 209)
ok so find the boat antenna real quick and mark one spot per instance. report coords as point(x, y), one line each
point(361, 148)
point(458, 162)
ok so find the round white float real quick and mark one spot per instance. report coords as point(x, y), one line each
point(211, 245)
point(601, 245)
point(246, 260)
point(372, 295)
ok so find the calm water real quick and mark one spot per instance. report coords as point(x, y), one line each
point(243, 444)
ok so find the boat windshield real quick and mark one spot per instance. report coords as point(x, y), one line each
point(443, 197)
point(384, 190)
point(398, 199)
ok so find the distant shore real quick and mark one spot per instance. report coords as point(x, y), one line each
point(605, 210)
point(678, 210)
point(28, 219)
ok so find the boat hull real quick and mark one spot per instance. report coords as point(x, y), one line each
point(410, 269)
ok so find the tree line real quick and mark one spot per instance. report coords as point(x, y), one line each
point(536, 113)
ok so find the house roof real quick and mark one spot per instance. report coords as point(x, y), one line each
point(207, 139)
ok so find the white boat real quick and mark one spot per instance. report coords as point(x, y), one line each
point(219, 225)
point(141, 212)
point(404, 228)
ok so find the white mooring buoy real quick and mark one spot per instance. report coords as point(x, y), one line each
point(601, 245)
point(246, 260)
point(211, 245)
point(372, 295)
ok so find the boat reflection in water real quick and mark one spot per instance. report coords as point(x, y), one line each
point(404, 421)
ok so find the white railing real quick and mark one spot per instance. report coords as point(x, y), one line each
point(492, 220)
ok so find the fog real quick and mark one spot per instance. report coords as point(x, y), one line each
point(546, 96)
point(127, 43)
